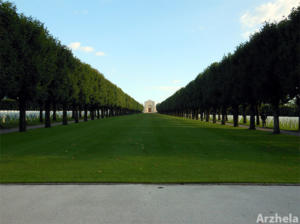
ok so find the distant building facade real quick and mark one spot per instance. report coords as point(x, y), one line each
point(149, 107)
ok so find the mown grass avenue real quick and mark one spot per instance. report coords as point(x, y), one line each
point(149, 148)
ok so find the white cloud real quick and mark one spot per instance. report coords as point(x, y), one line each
point(87, 49)
point(100, 53)
point(74, 45)
point(272, 11)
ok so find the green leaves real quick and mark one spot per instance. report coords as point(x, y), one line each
point(36, 68)
point(265, 69)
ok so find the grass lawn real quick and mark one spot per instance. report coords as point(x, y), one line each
point(149, 148)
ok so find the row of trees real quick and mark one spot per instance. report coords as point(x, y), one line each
point(35, 68)
point(263, 70)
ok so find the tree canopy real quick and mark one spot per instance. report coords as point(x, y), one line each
point(263, 70)
point(36, 69)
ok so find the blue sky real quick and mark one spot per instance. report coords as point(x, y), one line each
point(151, 48)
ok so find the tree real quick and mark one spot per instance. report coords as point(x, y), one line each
point(24, 37)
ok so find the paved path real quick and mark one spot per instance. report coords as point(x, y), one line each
point(165, 204)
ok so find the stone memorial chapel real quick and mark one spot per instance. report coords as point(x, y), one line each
point(149, 107)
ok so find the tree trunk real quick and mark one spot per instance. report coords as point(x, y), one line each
point(54, 112)
point(65, 115)
point(244, 114)
point(47, 115)
point(257, 116)
point(252, 118)
point(85, 116)
point(102, 112)
point(98, 113)
point(235, 116)
point(79, 112)
point(76, 115)
point(22, 116)
point(207, 116)
point(257, 119)
point(214, 118)
point(223, 121)
point(41, 115)
point(219, 116)
point(92, 112)
point(201, 116)
point(276, 128)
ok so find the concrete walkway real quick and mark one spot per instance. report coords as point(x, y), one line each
point(138, 203)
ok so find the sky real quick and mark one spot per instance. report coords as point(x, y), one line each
point(152, 48)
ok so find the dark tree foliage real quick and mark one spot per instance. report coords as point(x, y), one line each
point(37, 71)
point(263, 71)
